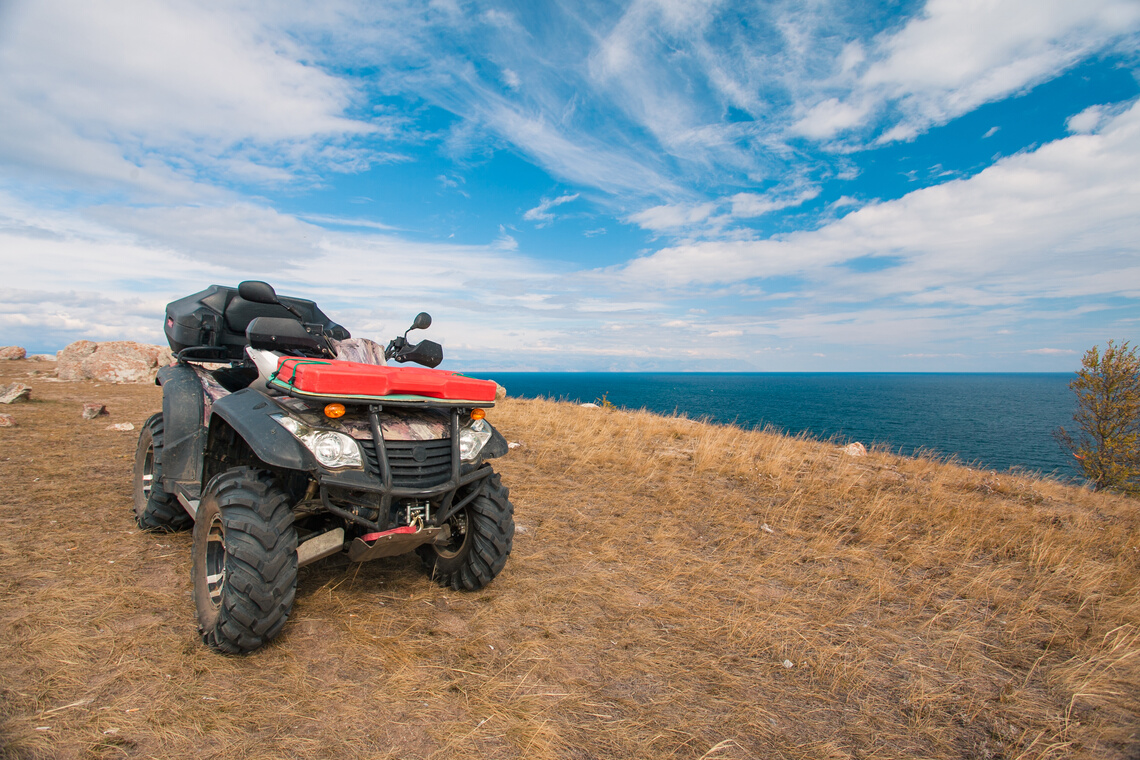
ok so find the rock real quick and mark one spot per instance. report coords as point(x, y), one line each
point(500, 392)
point(119, 361)
point(7, 420)
point(855, 449)
point(514, 445)
point(589, 405)
point(122, 427)
point(15, 392)
point(41, 357)
point(766, 529)
point(91, 411)
point(12, 352)
point(789, 664)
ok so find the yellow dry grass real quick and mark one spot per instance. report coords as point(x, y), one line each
point(665, 573)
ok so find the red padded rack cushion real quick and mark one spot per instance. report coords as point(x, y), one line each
point(337, 378)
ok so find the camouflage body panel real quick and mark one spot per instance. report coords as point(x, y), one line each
point(405, 425)
point(360, 350)
point(211, 389)
point(413, 425)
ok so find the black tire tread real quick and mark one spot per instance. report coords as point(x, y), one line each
point(162, 513)
point(491, 525)
point(261, 561)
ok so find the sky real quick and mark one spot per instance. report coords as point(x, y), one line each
point(653, 185)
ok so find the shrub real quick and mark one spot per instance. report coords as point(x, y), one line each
point(1107, 443)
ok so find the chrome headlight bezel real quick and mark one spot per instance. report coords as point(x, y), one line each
point(472, 438)
point(332, 449)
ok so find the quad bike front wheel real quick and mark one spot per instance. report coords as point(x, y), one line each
point(155, 509)
point(482, 534)
point(245, 560)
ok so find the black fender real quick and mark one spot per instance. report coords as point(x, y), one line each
point(183, 420)
point(495, 447)
point(248, 412)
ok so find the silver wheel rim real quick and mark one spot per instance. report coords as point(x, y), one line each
point(148, 472)
point(216, 561)
point(459, 527)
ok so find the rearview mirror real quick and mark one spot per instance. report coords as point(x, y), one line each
point(422, 321)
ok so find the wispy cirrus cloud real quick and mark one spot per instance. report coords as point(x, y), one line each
point(1066, 228)
point(541, 213)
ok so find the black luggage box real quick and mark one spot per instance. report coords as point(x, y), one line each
point(218, 317)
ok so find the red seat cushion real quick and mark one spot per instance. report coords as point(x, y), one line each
point(337, 378)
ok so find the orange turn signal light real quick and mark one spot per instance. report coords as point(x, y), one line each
point(334, 410)
point(478, 414)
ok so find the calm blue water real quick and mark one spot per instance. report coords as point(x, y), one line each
point(994, 421)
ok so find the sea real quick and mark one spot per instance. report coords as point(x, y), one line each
point(989, 421)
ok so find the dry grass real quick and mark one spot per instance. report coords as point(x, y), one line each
point(663, 573)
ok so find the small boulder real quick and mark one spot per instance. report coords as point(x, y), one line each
point(15, 392)
point(7, 420)
point(500, 392)
point(119, 361)
point(589, 405)
point(91, 411)
point(855, 449)
point(11, 352)
point(514, 445)
point(124, 427)
point(41, 357)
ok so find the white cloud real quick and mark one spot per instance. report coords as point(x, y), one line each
point(1087, 120)
point(825, 120)
point(1050, 351)
point(1059, 221)
point(340, 221)
point(959, 54)
point(541, 212)
point(672, 216)
point(754, 204)
point(90, 273)
point(505, 242)
point(156, 96)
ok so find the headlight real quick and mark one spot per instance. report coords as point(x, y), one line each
point(332, 449)
point(472, 439)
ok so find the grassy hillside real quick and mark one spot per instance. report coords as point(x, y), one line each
point(676, 590)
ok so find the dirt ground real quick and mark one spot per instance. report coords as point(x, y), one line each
point(676, 590)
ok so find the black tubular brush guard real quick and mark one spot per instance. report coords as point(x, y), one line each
point(387, 492)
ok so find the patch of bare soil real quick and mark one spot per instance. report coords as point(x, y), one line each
point(676, 590)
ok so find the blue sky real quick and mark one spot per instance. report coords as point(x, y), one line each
point(951, 185)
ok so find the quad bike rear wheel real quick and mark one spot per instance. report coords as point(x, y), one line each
point(155, 509)
point(245, 560)
point(482, 534)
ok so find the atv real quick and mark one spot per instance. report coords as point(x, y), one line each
point(282, 440)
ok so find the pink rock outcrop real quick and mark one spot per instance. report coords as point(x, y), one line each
point(119, 361)
point(92, 410)
point(12, 352)
point(15, 392)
